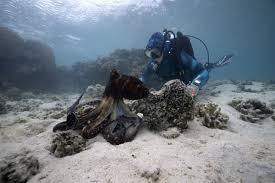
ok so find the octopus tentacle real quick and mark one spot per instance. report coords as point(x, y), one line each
point(110, 110)
point(104, 110)
point(126, 110)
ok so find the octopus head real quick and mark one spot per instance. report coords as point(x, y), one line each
point(128, 87)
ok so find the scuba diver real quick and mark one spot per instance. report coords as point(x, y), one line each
point(172, 57)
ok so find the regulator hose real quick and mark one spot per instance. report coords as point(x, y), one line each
point(166, 32)
point(206, 48)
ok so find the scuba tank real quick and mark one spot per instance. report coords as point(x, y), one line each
point(174, 43)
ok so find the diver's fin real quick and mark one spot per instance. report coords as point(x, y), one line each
point(221, 62)
point(73, 107)
point(224, 60)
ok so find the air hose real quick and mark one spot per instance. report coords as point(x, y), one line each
point(167, 32)
point(206, 48)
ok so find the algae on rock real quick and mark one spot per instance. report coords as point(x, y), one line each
point(171, 106)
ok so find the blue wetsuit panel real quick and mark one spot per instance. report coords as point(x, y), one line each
point(191, 65)
point(169, 68)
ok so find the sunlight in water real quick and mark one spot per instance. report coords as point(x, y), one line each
point(77, 11)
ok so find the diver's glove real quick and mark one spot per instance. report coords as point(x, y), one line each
point(193, 89)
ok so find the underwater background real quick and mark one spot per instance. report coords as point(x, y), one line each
point(63, 117)
point(85, 30)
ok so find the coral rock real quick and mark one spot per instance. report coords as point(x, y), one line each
point(172, 106)
point(67, 143)
point(212, 116)
point(252, 110)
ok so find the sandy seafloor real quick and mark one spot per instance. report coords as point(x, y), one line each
point(245, 152)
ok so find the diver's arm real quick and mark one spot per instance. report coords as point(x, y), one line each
point(147, 73)
point(201, 79)
point(201, 73)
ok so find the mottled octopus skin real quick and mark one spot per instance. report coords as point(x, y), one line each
point(119, 87)
point(110, 110)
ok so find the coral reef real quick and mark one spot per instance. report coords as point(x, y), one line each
point(18, 168)
point(11, 46)
point(172, 106)
point(252, 110)
point(110, 110)
point(131, 62)
point(3, 108)
point(30, 64)
point(27, 64)
point(94, 91)
point(67, 143)
point(37, 67)
point(212, 116)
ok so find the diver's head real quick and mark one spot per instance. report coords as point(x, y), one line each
point(154, 47)
point(159, 44)
point(154, 54)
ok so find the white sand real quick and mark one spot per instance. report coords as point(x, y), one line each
point(243, 153)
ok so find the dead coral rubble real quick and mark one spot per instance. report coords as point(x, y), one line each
point(252, 110)
point(18, 168)
point(170, 133)
point(172, 106)
point(212, 116)
point(67, 143)
point(242, 87)
point(152, 175)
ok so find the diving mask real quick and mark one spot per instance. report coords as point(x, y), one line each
point(153, 53)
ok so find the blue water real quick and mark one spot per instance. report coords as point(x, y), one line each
point(86, 29)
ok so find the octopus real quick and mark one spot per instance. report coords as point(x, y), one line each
point(109, 115)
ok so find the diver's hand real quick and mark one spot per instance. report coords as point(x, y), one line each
point(193, 89)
